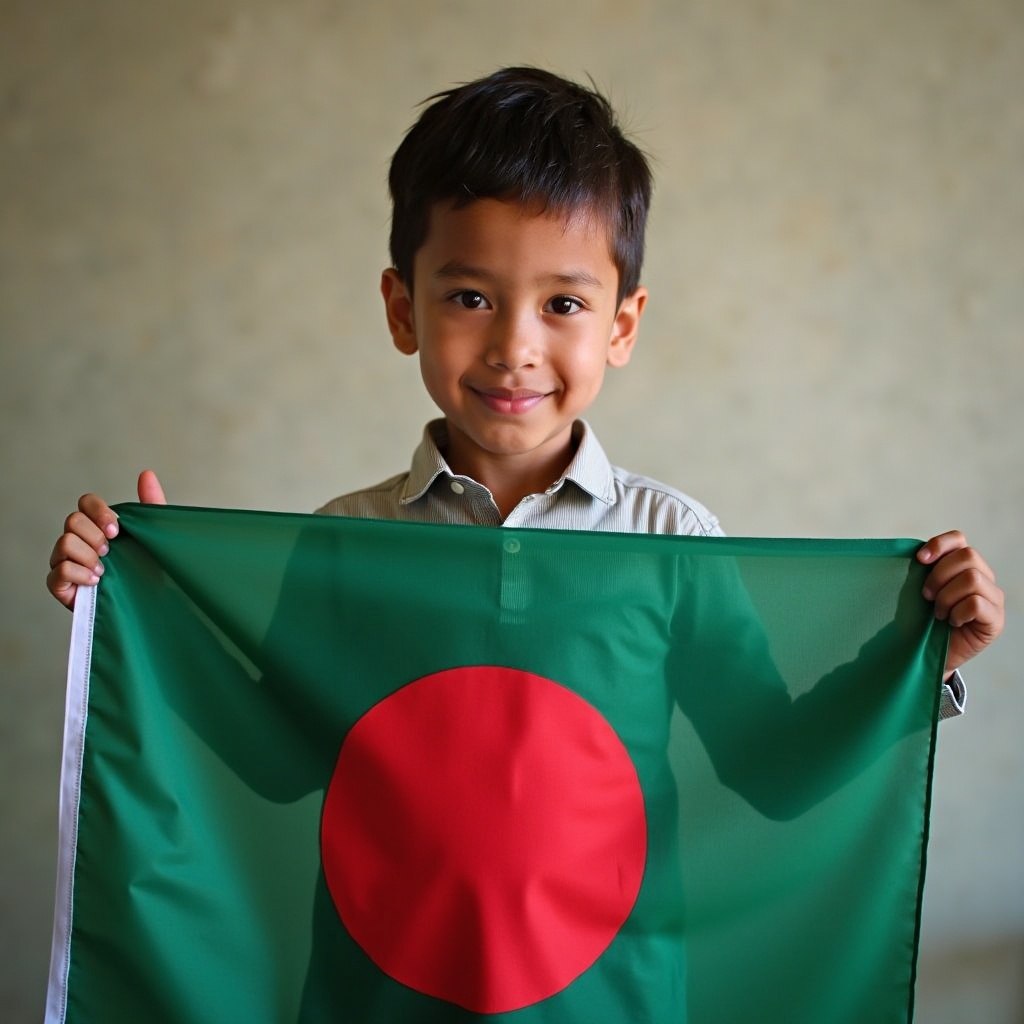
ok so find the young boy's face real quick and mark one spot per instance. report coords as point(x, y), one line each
point(514, 315)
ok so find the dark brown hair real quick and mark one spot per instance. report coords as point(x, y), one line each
point(529, 136)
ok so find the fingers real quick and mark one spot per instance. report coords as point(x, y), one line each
point(64, 579)
point(971, 597)
point(951, 557)
point(86, 531)
point(70, 547)
point(963, 587)
point(150, 491)
point(75, 558)
point(95, 521)
point(74, 561)
point(941, 545)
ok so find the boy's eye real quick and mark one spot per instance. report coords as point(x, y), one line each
point(470, 299)
point(564, 305)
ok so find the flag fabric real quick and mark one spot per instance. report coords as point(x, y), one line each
point(323, 769)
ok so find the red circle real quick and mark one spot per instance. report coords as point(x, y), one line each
point(484, 836)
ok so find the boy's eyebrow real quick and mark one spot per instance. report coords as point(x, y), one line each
point(455, 269)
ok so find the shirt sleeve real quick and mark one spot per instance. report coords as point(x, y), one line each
point(954, 697)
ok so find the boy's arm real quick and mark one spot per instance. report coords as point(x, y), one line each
point(963, 589)
point(783, 747)
point(785, 732)
point(76, 557)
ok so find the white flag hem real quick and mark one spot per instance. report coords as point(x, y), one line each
point(75, 714)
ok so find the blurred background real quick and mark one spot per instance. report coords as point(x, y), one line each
point(193, 218)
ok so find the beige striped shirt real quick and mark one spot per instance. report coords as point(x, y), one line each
point(591, 494)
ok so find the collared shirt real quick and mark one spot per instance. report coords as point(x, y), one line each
point(591, 494)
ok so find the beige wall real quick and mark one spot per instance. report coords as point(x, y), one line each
point(192, 222)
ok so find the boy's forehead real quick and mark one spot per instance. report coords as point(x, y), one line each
point(486, 222)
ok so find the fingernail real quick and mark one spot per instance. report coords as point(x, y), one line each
point(104, 549)
point(110, 530)
point(98, 570)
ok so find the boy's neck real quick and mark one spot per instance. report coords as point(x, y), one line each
point(510, 478)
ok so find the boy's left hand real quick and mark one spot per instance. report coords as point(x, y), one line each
point(965, 593)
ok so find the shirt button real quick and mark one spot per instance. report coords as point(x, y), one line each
point(457, 488)
point(511, 545)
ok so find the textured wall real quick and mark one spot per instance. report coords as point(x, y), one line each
point(192, 222)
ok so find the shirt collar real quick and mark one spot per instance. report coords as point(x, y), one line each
point(589, 469)
point(427, 462)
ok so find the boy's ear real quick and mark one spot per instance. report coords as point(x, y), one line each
point(398, 307)
point(626, 327)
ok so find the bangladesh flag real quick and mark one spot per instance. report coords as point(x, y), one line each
point(327, 770)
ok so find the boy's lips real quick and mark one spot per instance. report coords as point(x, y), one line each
point(510, 400)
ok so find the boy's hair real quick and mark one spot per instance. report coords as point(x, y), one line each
point(528, 136)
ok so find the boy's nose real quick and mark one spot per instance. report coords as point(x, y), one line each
point(513, 344)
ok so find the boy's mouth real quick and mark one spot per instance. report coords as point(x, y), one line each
point(510, 401)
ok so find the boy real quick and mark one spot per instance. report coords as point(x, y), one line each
point(517, 239)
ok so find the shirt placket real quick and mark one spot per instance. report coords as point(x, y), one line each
point(514, 595)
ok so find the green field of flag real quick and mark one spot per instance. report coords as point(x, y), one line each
point(322, 769)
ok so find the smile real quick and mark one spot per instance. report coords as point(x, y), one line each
point(509, 402)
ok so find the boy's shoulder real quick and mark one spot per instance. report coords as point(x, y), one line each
point(656, 507)
point(664, 508)
point(375, 502)
point(632, 502)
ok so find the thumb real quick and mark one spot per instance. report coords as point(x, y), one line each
point(150, 491)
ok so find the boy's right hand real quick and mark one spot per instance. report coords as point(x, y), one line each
point(75, 559)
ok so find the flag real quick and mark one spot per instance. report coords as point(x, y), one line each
point(321, 769)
